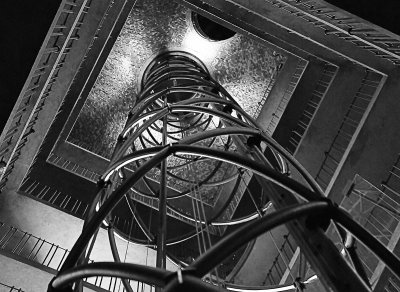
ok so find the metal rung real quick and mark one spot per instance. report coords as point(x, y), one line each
point(13, 129)
point(60, 26)
point(10, 134)
point(57, 33)
point(34, 87)
point(390, 189)
point(323, 83)
point(59, 65)
point(52, 50)
point(361, 30)
point(31, 187)
point(342, 132)
point(313, 103)
point(351, 122)
point(3, 183)
point(19, 246)
point(318, 94)
point(15, 158)
point(5, 235)
point(328, 170)
point(69, 11)
point(43, 192)
point(358, 108)
point(303, 124)
point(297, 134)
point(4, 241)
point(4, 150)
point(71, 3)
point(331, 157)
point(308, 114)
point(74, 37)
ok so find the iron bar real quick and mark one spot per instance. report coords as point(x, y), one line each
point(162, 206)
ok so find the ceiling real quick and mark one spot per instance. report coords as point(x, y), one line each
point(243, 66)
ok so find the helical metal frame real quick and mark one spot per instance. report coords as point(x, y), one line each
point(177, 91)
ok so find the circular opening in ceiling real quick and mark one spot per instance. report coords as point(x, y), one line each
point(210, 29)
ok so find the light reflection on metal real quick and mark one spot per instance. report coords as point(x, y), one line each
point(274, 289)
point(377, 212)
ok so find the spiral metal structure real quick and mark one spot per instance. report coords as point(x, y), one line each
point(185, 149)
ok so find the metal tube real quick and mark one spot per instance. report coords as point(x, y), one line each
point(142, 273)
point(162, 207)
point(114, 251)
point(391, 260)
point(245, 233)
point(95, 222)
point(326, 261)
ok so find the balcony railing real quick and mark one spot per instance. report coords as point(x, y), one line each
point(391, 187)
point(48, 195)
point(8, 288)
point(334, 21)
point(280, 263)
point(261, 103)
point(287, 94)
point(313, 103)
point(393, 285)
point(73, 167)
point(39, 85)
point(377, 212)
point(351, 122)
point(28, 247)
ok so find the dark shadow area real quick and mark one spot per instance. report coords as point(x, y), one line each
point(383, 13)
point(24, 26)
point(210, 29)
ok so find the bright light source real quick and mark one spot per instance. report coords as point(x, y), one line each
point(204, 49)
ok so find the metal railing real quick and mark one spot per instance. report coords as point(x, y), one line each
point(261, 103)
point(287, 94)
point(345, 26)
point(73, 167)
point(377, 212)
point(350, 123)
point(278, 267)
point(245, 177)
point(48, 195)
point(31, 248)
point(393, 285)
point(40, 82)
point(8, 288)
point(313, 103)
point(391, 187)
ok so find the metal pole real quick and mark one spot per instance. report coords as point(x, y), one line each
point(162, 207)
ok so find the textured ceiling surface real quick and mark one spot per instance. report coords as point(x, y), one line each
point(243, 66)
